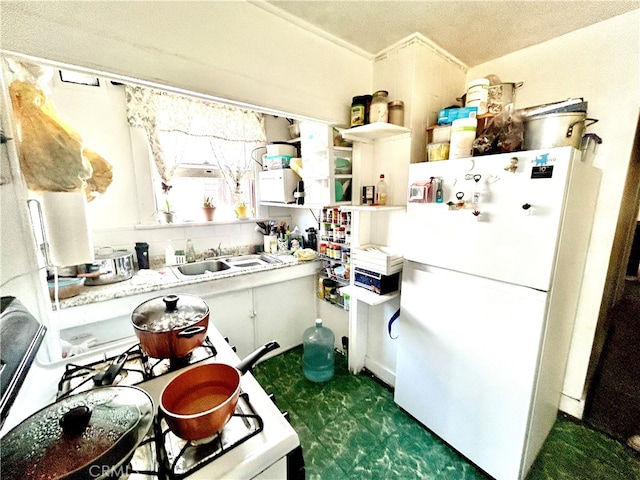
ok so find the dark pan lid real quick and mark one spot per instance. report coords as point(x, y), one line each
point(81, 436)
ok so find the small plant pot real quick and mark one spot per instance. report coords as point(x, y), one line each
point(241, 211)
point(208, 213)
point(168, 217)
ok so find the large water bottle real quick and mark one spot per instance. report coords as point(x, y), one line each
point(318, 356)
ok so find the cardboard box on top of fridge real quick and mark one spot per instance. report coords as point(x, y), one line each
point(377, 258)
point(446, 116)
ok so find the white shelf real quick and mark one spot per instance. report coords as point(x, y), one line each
point(374, 131)
point(372, 208)
point(290, 205)
point(366, 296)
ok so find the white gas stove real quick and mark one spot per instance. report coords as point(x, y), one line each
point(258, 441)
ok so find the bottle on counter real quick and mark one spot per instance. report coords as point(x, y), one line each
point(381, 191)
point(318, 355)
point(169, 254)
point(191, 252)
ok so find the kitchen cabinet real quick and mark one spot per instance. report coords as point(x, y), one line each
point(282, 311)
point(327, 169)
point(237, 305)
point(233, 316)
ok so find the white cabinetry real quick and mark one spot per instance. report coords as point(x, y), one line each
point(327, 169)
point(377, 148)
point(283, 311)
point(233, 315)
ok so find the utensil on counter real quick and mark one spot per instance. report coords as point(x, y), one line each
point(171, 326)
point(200, 400)
point(87, 435)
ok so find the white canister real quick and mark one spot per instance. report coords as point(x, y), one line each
point(275, 149)
point(463, 133)
point(478, 94)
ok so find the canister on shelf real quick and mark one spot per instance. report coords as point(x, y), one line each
point(478, 94)
point(463, 133)
point(379, 110)
point(358, 110)
point(396, 112)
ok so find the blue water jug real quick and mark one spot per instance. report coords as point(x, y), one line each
point(318, 354)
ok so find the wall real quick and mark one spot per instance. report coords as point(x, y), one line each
point(233, 50)
point(601, 64)
point(426, 78)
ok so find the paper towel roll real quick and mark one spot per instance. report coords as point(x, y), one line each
point(65, 219)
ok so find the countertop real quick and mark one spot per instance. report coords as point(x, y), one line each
point(145, 281)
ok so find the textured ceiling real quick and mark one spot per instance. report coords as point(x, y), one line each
point(472, 31)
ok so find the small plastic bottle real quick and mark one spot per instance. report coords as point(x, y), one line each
point(190, 253)
point(318, 355)
point(381, 191)
point(169, 254)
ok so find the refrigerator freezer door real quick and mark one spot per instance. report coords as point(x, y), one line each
point(467, 363)
point(505, 242)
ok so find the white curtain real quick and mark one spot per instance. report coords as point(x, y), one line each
point(171, 121)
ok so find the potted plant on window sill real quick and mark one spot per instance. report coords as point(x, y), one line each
point(208, 208)
point(241, 209)
point(168, 214)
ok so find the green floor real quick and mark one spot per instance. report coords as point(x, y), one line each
point(351, 428)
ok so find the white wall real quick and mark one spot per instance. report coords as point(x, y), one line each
point(425, 78)
point(233, 50)
point(602, 64)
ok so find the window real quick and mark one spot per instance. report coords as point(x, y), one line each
point(200, 149)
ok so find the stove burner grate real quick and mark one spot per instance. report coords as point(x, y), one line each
point(137, 368)
point(181, 458)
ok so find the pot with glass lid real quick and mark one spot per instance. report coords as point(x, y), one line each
point(92, 434)
point(171, 326)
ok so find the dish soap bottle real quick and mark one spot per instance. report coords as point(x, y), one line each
point(318, 355)
point(169, 254)
point(381, 191)
point(190, 253)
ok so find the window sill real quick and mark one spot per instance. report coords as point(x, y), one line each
point(199, 224)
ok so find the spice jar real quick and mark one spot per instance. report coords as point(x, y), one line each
point(379, 110)
point(358, 110)
point(396, 112)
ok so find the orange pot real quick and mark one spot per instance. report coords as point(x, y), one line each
point(200, 400)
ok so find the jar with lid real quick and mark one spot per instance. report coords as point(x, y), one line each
point(358, 110)
point(396, 112)
point(379, 110)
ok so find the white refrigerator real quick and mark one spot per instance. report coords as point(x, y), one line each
point(490, 288)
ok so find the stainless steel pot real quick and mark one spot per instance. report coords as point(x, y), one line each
point(500, 95)
point(88, 435)
point(110, 266)
point(555, 130)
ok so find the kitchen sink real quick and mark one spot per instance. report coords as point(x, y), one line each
point(201, 268)
point(246, 261)
point(211, 267)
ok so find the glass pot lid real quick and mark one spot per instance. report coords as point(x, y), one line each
point(81, 436)
point(171, 312)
